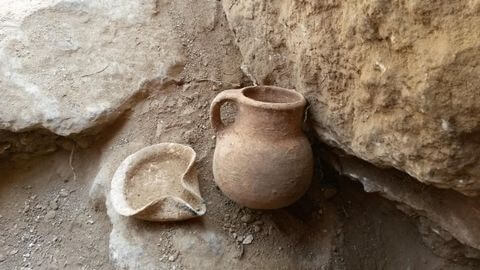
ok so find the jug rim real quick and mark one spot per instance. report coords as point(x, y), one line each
point(297, 99)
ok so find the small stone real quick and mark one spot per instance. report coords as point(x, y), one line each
point(53, 204)
point(234, 235)
point(173, 257)
point(50, 215)
point(64, 193)
point(2, 258)
point(90, 221)
point(257, 228)
point(13, 252)
point(247, 218)
point(239, 253)
point(239, 238)
point(248, 239)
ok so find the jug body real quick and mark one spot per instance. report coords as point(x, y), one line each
point(262, 160)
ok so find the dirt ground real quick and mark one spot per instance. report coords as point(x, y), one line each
point(48, 222)
point(50, 219)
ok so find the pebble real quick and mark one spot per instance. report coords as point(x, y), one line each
point(90, 221)
point(239, 238)
point(2, 258)
point(247, 218)
point(64, 193)
point(53, 204)
point(248, 239)
point(50, 214)
point(173, 257)
point(257, 228)
point(13, 252)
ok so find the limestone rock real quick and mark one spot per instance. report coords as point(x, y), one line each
point(394, 83)
point(68, 66)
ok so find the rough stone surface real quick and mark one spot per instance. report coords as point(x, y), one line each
point(68, 66)
point(396, 83)
point(451, 216)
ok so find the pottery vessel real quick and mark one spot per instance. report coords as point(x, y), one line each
point(262, 160)
point(158, 183)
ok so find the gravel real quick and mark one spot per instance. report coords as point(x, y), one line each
point(248, 239)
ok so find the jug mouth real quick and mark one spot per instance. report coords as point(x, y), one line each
point(273, 97)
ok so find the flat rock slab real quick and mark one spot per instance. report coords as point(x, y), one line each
point(67, 66)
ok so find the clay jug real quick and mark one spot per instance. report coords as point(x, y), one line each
point(263, 159)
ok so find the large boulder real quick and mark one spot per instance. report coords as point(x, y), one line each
point(70, 66)
point(396, 83)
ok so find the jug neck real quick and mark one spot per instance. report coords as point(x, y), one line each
point(268, 111)
point(269, 122)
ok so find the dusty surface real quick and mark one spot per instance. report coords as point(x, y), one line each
point(330, 228)
point(396, 83)
point(46, 221)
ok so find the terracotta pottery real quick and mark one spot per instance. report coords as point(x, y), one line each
point(158, 183)
point(262, 160)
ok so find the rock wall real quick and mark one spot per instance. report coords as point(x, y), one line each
point(396, 83)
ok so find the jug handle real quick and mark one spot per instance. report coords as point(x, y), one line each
point(218, 101)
